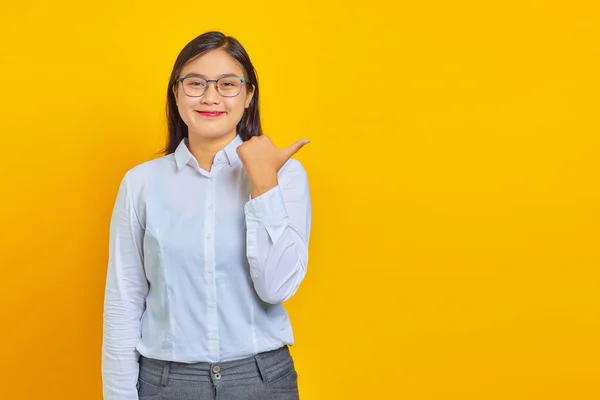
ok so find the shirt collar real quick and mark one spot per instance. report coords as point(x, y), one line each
point(183, 156)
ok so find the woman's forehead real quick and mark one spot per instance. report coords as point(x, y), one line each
point(212, 65)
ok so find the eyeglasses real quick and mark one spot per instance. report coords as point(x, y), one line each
point(227, 86)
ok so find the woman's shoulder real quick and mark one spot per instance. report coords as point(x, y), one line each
point(292, 166)
point(292, 171)
point(146, 170)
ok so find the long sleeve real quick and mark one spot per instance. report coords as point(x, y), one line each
point(124, 301)
point(278, 230)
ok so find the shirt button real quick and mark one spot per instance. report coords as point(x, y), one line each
point(216, 369)
point(208, 236)
point(210, 206)
point(210, 271)
point(213, 337)
point(211, 304)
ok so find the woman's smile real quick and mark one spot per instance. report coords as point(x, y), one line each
point(210, 114)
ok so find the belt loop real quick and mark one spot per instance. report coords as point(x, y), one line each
point(261, 367)
point(165, 373)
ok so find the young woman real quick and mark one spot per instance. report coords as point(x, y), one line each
point(206, 243)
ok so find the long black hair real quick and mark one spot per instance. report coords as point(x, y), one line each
point(249, 125)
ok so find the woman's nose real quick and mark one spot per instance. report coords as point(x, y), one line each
point(211, 94)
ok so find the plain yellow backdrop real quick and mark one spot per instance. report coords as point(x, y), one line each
point(453, 167)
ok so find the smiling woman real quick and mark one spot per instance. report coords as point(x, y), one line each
point(195, 96)
point(206, 243)
point(210, 58)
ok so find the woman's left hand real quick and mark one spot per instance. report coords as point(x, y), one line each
point(262, 160)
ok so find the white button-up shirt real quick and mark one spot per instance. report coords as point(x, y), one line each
point(197, 269)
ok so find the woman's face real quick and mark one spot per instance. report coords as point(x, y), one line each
point(212, 65)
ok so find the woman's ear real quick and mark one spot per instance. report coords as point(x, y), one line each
point(174, 89)
point(250, 96)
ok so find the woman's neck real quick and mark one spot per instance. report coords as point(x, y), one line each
point(204, 149)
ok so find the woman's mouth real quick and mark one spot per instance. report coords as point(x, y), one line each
point(211, 114)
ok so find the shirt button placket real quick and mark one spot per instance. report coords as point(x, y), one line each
point(209, 265)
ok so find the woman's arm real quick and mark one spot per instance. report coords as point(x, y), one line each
point(124, 300)
point(278, 230)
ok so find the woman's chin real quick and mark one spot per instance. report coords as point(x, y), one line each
point(211, 134)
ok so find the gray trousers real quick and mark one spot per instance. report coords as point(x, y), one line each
point(267, 376)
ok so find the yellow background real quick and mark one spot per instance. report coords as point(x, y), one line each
point(453, 170)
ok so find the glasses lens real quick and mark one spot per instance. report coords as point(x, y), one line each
point(229, 86)
point(194, 86)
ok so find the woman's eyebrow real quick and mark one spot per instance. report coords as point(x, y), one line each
point(203, 76)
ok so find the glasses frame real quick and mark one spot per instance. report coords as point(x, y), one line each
point(208, 81)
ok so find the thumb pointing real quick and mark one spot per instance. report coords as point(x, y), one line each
point(293, 149)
